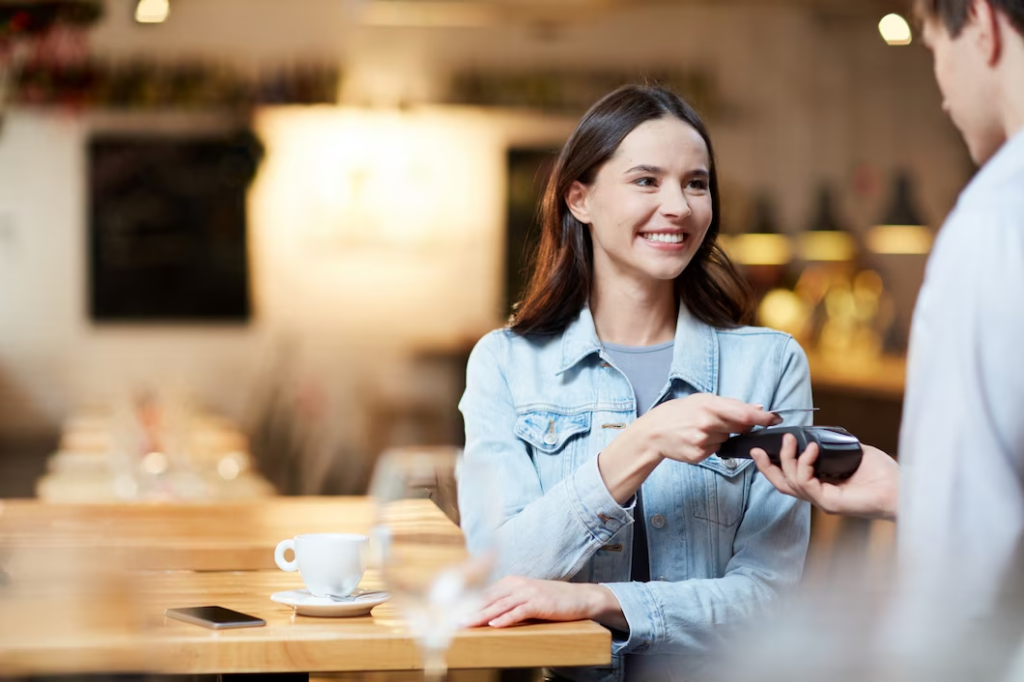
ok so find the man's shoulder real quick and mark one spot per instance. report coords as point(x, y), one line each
point(998, 201)
point(984, 219)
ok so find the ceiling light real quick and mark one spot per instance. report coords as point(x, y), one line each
point(763, 244)
point(902, 230)
point(152, 11)
point(757, 249)
point(895, 30)
point(827, 239)
point(900, 239)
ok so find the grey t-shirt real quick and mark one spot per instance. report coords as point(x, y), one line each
point(647, 368)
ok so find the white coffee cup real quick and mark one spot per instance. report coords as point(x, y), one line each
point(330, 563)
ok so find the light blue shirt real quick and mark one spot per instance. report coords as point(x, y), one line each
point(723, 543)
point(961, 515)
point(646, 368)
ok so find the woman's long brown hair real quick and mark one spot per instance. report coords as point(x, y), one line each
point(562, 272)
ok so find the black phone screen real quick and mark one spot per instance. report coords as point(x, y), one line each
point(215, 615)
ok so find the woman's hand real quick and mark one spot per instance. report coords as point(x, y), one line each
point(686, 429)
point(690, 429)
point(872, 491)
point(513, 599)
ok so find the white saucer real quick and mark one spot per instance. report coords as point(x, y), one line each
point(305, 604)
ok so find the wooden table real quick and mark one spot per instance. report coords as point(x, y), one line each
point(219, 536)
point(87, 587)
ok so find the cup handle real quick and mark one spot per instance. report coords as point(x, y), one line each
point(283, 547)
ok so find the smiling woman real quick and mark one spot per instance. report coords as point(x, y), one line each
point(602, 405)
point(659, 124)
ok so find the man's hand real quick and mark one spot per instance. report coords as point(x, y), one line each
point(871, 492)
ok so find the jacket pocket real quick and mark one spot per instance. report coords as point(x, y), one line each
point(548, 432)
point(725, 490)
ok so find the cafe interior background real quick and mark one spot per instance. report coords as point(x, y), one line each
point(296, 218)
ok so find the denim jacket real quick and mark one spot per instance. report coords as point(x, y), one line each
point(723, 543)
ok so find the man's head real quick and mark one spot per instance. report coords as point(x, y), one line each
point(978, 47)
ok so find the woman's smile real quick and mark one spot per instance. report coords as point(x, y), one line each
point(665, 240)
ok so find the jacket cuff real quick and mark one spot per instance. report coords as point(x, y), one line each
point(594, 506)
point(646, 625)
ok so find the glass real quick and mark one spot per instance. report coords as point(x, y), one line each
point(436, 583)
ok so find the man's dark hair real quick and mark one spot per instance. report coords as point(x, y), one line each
point(953, 13)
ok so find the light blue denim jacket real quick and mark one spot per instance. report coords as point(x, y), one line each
point(722, 541)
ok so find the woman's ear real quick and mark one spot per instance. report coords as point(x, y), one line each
point(576, 201)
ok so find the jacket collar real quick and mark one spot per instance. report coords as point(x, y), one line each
point(694, 353)
point(1007, 162)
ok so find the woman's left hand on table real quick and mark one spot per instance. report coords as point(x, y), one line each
point(514, 599)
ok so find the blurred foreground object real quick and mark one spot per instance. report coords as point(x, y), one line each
point(436, 583)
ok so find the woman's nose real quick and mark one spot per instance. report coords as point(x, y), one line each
point(674, 203)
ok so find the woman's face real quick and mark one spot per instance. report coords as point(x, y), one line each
point(649, 205)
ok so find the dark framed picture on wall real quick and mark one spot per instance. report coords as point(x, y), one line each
point(168, 227)
point(528, 172)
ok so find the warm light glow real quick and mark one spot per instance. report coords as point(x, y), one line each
point(152, 11)
point(827, 246)
point(387, 178)
point(895, 30)
point(155, 463)
point(783, 310)
point(900, 239)
point(228, 468)
point(757, 249)
point(420, 14)
point(380, 222)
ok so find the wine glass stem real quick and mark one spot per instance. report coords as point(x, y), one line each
point(435, 665)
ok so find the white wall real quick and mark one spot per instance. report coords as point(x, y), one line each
point(813, 97)
point(359, 287)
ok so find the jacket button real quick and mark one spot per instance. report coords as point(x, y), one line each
point(729, 462)
point(658, 521)
point(550, 438)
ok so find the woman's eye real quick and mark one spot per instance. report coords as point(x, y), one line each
point(698, 184)
point(646, 182)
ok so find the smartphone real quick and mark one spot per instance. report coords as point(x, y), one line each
point(215, 617)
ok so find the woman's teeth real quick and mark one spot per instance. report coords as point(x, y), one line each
point(676, 238)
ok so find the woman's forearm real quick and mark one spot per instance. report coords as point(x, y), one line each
point(626, 463)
